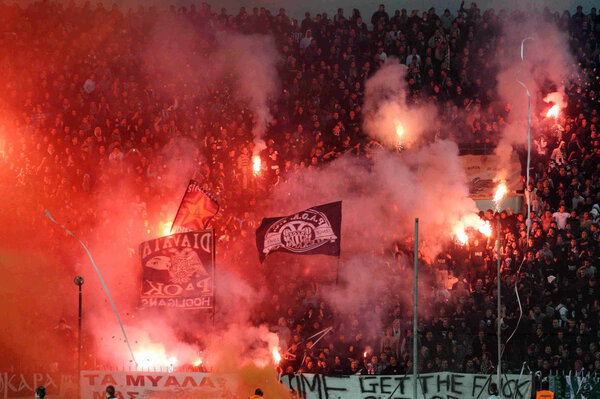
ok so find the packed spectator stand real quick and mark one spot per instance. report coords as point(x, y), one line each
point(83, 113)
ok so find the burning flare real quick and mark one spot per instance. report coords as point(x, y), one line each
point(486, 229)
point(467, 225)
point(554, 111)
point(501, 191)
point(276, 356)
point(166, 228)
point(461, 236)
point(256, 164)
point(399, 130)
point(153, 358)
point(197, 362)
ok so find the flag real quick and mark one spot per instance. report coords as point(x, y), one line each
point(315, 230)
point(196, 210)
point(178, 271)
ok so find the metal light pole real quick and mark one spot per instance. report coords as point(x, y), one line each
point(79, 282)
point(416, 309)
point(498, 319)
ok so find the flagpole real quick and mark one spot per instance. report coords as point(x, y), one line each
point(415, 308)
point(498, 317)
point(214, 254)
point(180, 205)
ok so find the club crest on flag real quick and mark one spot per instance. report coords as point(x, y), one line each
point(316, 230)
point(299, 233)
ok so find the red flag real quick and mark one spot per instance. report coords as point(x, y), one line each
point(196, 210)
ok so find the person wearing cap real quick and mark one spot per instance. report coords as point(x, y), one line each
point(258, 393)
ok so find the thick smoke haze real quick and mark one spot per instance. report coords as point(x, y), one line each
point(382, 200)
point(388, 117)
point(541, 71)
point(296, 8)
point(187, 60)
point(381, 195)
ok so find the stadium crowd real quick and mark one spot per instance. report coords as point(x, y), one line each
point(80, 111)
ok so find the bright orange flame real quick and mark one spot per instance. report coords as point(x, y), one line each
point(461, 236)
point(486, 229)
point(276, 356)
point(197, 362)
point(501, 191)
point(399, 130)
point(166, 228)
point(256, 164)
point(553, 111)
point(148, 358)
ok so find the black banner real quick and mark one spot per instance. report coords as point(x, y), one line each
point(178, 271)
point(316, 230)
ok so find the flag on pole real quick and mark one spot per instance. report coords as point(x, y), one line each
point(196, 210)
point(315, 230)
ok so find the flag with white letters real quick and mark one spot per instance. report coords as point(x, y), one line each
point(178, 271)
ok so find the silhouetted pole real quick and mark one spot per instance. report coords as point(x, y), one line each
point(79, 282)
point(416, 309)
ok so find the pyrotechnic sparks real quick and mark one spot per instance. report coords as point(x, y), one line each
point(153, 358)
point(554, 111)
point(501, 191)
point(198, 362)
point(276, 356)
point(256, 164)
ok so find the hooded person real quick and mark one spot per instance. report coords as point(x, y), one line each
point(258, 394)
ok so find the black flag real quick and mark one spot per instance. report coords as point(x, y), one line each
point(316, 230)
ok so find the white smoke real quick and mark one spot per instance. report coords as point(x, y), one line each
point(388, 117)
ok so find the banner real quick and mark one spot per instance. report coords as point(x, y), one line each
point(572, 387)
point(148, 385)
point(23, 385)
point(316, 230)
point(430, 386)
point(178, 271)
point(196, 210)
point(483, 170)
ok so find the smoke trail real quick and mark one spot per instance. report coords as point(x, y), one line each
point(540, 70)
point(252, 60)
point(388, 117)
point(104, 286)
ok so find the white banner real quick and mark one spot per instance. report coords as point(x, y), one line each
point(430, 386)
point(149, 385)
point(483, 170)
point(144, 385)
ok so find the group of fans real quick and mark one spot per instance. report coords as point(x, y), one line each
point(80, 111)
